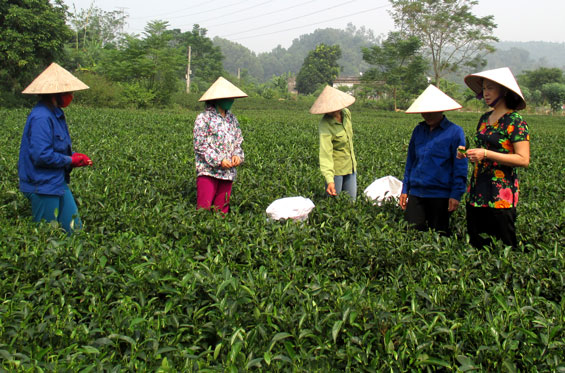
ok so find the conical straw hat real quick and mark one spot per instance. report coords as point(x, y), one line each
point(222, 88)
point(502, 76)
point(432, 100)
point(331, 100)
point(54, 79)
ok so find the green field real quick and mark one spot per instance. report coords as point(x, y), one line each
point(151, 284)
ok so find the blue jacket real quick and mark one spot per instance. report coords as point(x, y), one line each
point(45, 152)
point(432, 168)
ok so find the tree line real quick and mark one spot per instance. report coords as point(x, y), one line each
point(151, 69)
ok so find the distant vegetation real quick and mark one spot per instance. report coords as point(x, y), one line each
point(519, 56)
point(149, 70)
point(527, 55)
point(279, 61)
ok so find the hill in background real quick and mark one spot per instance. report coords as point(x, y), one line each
point(280, 61)
point(530, 55)
point(519, 56)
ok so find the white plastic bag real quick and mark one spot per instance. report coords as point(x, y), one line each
point(384, 188)
point(296, 208)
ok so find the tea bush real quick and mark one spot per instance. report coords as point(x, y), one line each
point(152, 284)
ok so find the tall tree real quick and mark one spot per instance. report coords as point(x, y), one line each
point(96, 26)
point(95, 31)
point(452, 34)
point(319, 67)
point(33, 35)
point(398, 63)
point(152, 65)
point(555, 95)
point(206, 58)
point(536, 79)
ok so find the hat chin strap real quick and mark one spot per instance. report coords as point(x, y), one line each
point(494, 102)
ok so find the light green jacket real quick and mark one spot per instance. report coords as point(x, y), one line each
point(336, 146)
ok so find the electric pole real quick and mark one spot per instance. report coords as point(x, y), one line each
point(188, 72)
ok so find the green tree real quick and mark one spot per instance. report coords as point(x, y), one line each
point(319, 67)
point(532, 81)
point(152, 66)
point(94, 32)
point(33, 35)
point(452, 35)
point(96, 26)
point(206, 58)
point(535, 79)
point(398, 63)
point(555, 95)
point(167, 60)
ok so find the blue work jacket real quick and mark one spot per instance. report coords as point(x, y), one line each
point(45, 151)
point(432, 168)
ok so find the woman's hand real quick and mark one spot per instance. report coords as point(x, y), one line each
point(331, 189)
point(226, 163)
point(235, 161)
point(477, 155)
point(402, 200)
point(461, 152)
point(453, 204)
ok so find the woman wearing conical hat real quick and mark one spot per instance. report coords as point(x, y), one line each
point(337, 158)
point(46, 156)
point(217, 146)
point(434, 179)
point(502, 143)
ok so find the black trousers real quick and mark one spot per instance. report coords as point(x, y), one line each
point(499, 223)
point(428, 213)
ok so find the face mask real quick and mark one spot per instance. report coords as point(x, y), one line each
point(225, 103)
point(64, 99)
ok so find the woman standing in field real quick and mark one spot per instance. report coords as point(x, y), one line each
point(337, 158)
point(502, 144)
point(217, 146)
point(434, 179)
point(46, 156)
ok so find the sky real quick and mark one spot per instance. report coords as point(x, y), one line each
point(262, 25)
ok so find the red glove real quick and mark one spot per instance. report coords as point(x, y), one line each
point(80, 160)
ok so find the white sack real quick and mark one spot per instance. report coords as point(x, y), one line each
point(384, 188)
point(296, 208)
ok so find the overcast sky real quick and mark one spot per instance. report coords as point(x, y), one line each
point(261, 25)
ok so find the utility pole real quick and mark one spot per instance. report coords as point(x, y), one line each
point(238, 74)
point(188, 72)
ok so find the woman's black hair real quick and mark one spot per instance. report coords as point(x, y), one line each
point(512, 100)
point(47, 99)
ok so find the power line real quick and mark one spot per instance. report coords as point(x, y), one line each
point(215, 9)
point(237, 11)
point(293, 19)
point(312, 24)
point(262, 15)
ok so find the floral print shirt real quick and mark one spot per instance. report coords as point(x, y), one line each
point(492, 184)
point(216, 138)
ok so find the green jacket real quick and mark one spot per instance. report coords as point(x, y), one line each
point(336, 146)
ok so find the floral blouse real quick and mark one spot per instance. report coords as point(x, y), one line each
point(492, 184)
point(216, 138)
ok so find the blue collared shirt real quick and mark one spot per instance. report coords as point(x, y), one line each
point(45, 152)
point(432, 168)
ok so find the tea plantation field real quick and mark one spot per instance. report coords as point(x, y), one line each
point(151, 284)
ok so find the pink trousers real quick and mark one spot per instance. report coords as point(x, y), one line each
point(212, 192)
